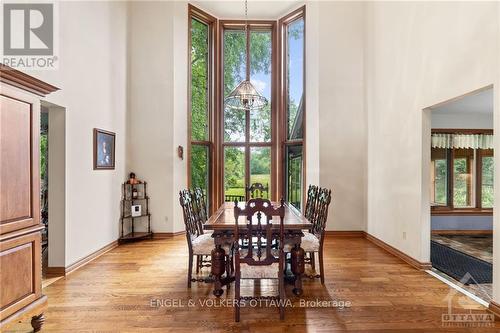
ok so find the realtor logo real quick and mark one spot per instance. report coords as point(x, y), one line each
point(29, 35)
point(28, 29)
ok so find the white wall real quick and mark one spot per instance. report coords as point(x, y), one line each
point(157, 68)
point(179, 124)
point(418, 54)
point(342, 117)
point(312, 29)
point(92, 78)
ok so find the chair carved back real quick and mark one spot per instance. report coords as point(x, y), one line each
point(191, 219)
point(258, 214)
point(200, 204)
point(320, 216)
point(312, 196)
point(256, 190)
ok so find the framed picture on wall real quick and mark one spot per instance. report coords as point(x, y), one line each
point(104, 150)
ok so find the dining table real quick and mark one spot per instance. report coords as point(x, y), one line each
point(222, 223)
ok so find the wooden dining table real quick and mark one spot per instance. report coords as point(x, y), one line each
point(222, 222)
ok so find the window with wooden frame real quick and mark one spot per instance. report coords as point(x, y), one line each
point(200, 103)
point(231, 149)
point(462, 178)
point(293, 106)
point(248, 137)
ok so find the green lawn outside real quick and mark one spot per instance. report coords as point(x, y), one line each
point(240, 190)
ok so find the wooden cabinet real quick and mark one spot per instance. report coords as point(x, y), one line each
point(20, 228)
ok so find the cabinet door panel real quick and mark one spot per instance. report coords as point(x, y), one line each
point(20, 259)
point(18, 165)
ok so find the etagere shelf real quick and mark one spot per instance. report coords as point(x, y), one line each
point(132, 195)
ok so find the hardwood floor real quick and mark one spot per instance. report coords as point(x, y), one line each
point(115, 293)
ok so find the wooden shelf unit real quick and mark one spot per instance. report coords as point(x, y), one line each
point(126, 215)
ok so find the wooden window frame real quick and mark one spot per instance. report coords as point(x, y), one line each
point(211, 22)
point(253, 25)
point(215, 142)
point(284, 23)
point(449, 209)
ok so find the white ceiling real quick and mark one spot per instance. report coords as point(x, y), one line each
point(481, 102)
point(257, 9)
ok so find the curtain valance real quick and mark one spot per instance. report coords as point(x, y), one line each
point(474, 141)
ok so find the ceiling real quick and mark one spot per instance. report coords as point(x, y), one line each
point(257, 9)
point(480, 102)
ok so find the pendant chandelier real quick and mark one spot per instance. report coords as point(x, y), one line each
point(245, 96)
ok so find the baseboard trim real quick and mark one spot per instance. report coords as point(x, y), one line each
point(494, 308)
point(94, 255)
point(392, 250)
point(397, 253)
point(345, 233)
point(462, 232)
point(163, 235)
point(55, 271)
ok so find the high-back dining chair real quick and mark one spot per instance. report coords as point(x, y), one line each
point(201, 204)
point(313, 240)
point(256, 190)
point(199, 244)
point(201, 210)
point(312, 196)
point(261, 261)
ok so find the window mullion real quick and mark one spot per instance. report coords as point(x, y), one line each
point(450, 158)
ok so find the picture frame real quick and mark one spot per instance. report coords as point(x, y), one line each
point(104, 149)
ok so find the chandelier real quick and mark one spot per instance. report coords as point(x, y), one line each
point(245, 96)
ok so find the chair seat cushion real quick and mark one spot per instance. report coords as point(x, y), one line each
point(259, 272)
point(310, 243)
point(204, 244)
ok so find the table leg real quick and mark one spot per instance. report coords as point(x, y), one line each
point(298, 256)
point(218, 268)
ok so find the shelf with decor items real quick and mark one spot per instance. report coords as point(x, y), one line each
point(134, 209)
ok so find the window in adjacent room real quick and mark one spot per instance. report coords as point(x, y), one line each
point(462, 171)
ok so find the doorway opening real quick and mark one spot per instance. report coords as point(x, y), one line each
point(53, 191)
point(461, 191)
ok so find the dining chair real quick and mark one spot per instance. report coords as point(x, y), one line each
point(259, 262)
point(199, 243)
point(256, 190)
point(312, 195)
point(200, 206)
point(313, 240)
point(309, 210)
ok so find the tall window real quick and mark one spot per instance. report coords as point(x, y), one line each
point(293, 59)
point(486, 178)
point(461, 174)
point(439, 176)
point(230, 150)
point(247, 143)
point(200, 90)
